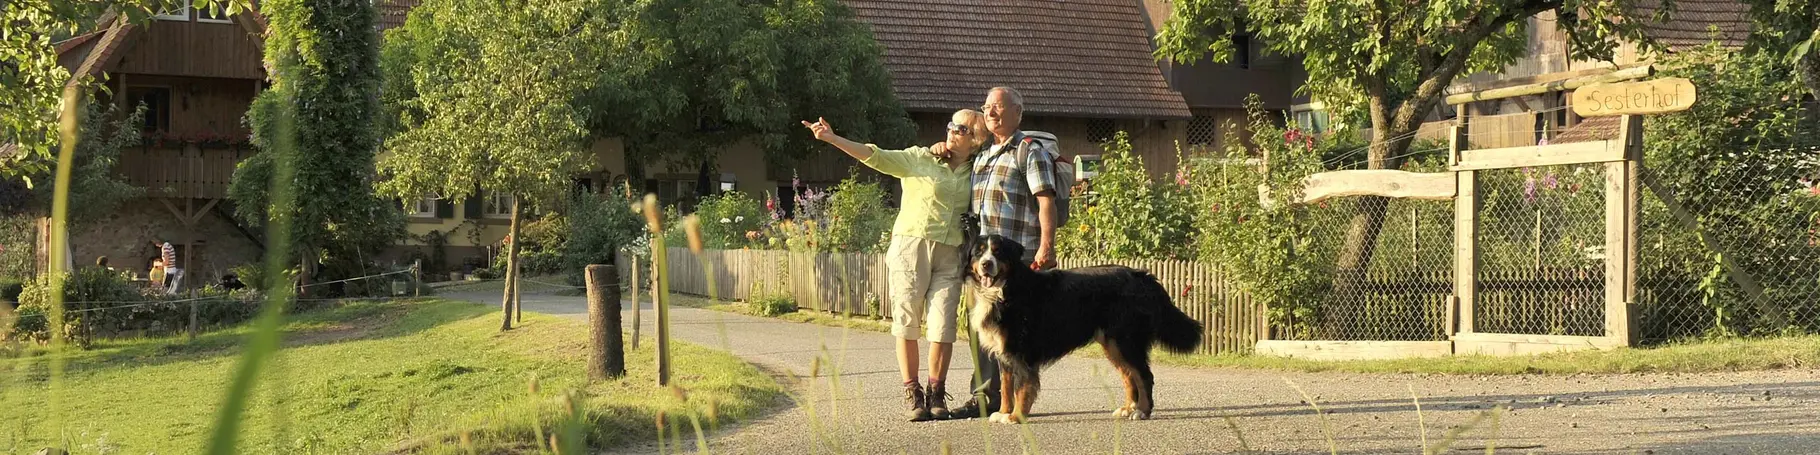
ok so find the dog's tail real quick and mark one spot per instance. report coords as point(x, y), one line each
point(1174, 329)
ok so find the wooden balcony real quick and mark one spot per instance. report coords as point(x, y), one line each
point(190, 172)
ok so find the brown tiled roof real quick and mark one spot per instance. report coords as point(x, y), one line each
point(1077, 58)
point(1589, 129)
point(393, 12)
point(1691, 22)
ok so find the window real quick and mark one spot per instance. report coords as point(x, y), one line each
point(157, 102)
point(182, 13)
point(1203, 129)
point(215, 15)
point(1101, 130)
point(1314, 121)
point(1241, 50)
point(421, 208)
point(496, 205)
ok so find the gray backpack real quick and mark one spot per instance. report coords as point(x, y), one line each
point(1063, 169)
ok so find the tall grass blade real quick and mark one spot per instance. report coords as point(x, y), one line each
point(1421, 423)
point(263, 343)
point(1326, 427)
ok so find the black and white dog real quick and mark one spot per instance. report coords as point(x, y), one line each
point(1029, 319)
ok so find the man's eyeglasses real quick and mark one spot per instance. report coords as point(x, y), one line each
point(997, 107)
point(958, 128)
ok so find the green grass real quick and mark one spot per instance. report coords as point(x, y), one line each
point(418, 376)
point(1687, 357)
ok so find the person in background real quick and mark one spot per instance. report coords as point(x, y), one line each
point(924, 258)
point(155, 276)
point(173, 275)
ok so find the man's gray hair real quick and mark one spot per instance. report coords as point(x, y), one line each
point(1011, 94)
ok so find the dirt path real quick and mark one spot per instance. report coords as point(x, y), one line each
point(1210, 410)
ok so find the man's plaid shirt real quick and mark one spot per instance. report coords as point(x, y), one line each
point(1002, 191)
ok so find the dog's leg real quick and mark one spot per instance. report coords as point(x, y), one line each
point(1137, 354)
point(1005, 384)
point(1126, 374)
point(1028, 384)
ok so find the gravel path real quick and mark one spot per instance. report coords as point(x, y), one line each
point(1236, 411)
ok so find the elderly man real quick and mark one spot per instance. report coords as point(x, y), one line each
point(1014, 198)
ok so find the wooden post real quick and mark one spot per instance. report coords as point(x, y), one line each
point(417, 278)
point(194, 319)
point(1466, 234)
point(606, 350)
point(633, 259)
point(1622, 198)
point(660, 287)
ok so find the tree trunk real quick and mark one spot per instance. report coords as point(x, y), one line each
point(1368, 219)
point(506, 303)
point(1809, 68)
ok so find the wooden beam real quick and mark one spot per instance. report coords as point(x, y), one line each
point(173, 208)
point(1465, 237)
point(1378, 182)
point(1505, 344)
point(196, 217)
point(1556, 86)
point(1620, 234)
point(1354, 350)
point(1541, 155)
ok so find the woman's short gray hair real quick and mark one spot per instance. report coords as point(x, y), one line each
point(1011, 94)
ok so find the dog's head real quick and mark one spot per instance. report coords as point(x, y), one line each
point(994, 260)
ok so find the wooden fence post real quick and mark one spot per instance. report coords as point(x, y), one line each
point(194, 317)
point(1466, 234)
point(606, 348)
point(633, 259)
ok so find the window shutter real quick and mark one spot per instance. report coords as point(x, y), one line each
point(471, 208)
point(445, 209)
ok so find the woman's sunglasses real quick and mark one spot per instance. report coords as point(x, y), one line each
point(958, 128)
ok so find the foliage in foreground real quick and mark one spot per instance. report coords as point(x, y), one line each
point(364, 377)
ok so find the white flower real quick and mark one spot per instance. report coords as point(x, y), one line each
point(739, 219)
point(725, 221)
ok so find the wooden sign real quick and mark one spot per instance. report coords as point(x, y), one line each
point(1627, 98)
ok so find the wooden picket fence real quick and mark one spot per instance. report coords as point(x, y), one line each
point(848, 283)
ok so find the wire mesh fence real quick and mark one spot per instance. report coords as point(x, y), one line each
point(1542, 251)
point(1733, 248)
point(1404, 290)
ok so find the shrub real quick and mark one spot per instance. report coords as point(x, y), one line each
point(1269, 248)
point(772, 304)
point(727, 218)
point(1125, 215)
point(18, 237)
point(85, 293)
point(10, 289)
point(599, 226)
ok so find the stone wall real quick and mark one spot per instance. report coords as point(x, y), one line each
point(206, 251)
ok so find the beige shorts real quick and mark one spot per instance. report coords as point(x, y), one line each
point(925, 288)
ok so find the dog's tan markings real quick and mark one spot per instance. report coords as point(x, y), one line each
point(1127, 374)
point(1026, 396)
point(1005, 385)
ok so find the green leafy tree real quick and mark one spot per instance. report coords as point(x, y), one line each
point(95, 189)
point(1391, 59)
point(691, 77)
point(31, 81)
point(325, 83)
point(488, 100)
point(1791, 27)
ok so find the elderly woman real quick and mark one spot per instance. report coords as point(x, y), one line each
point(924, 259)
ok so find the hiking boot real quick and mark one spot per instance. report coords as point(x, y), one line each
point(938, 400)
point(968, 410)
point(919, 406)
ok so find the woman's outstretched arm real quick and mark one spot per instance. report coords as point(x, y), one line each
point(825, 133)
